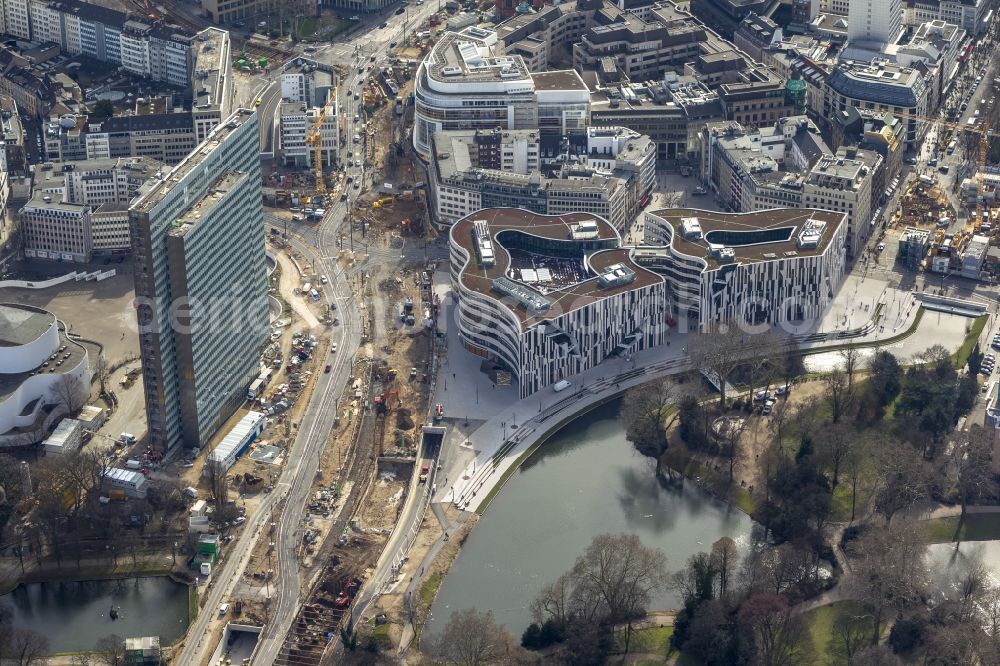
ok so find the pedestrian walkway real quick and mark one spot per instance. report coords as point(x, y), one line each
point(509, 427)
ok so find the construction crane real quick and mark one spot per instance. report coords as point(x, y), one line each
point(315, 140)
point(985, 132)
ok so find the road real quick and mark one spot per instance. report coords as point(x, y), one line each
point(325, 238)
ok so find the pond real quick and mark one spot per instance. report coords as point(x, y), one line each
point(586, 480)
point(73, 615)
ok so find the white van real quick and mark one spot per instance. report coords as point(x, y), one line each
point(561, 385)
point(223, 609)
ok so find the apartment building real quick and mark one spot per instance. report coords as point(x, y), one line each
point(576, 301)
point(640, 49)
point(605, 171)
point(756, 34)
point(753, 170)
point(844, 183)
point(200, 282)
point(212, 87)
point(165, 137)
point(307, 82)
point(881, 86)
point(671, 112)
point(80, 210)
point(141, 47)
point(766, 268)
point(875, 22)
point(973, 16)
point(725, 15)
point(296, 122)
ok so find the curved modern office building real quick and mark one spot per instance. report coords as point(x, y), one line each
point(461, 84)
point(548, 296)
point(767, 267)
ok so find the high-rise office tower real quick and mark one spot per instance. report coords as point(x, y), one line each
point(201, 284)
point(874, 21)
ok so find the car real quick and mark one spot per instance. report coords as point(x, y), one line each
point(384, 24)
point(783, 390)
point(223, 609)
point(761, 395)
point(880, 247)
point(259, 100)
point(357, 185)
point(932, 161)
point(350, 179)
point(911, 160)
point(333, 348)
point(438, 411)
point(698, 191)
point(986, 387)
point(392, 45)
point(400, 11)
point(326, 370)
point(333, 306)
point(323, 279)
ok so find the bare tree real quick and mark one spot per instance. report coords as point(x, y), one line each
point(973, 455)
point(28, 647)
point(855, 464)
point(779, 637)
point(644, 410)
point(718, 354)
point(725, 558)
point(889, 571)
point(852, 632)
point(730, 441)
point(70, 392)
point(110, 650)
point(553, 602)
point(218, 483)
point(472, 638)
point(851, 355)
point(902, 480)
point(761, 352)
point(836, 443)
point(837, 393)
point(623, 574)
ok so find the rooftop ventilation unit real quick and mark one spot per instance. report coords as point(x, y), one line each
point(531, 300)
point(691, 228)
point(616, 275)
point(451, 71)
point(585, 230)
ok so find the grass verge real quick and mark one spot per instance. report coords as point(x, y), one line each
point(820, 621)
point(192, 603)
point(962, 355)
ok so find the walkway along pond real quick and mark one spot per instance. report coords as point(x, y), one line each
point(586, 480)
point(73, 615)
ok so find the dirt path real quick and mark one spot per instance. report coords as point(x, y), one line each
point(287, 285)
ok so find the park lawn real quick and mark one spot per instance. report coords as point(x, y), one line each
point(820, 621)
point(977, 527)
point(840, 504)
point(962, 355)
point(652, 640)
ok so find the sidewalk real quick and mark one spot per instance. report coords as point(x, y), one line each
point(500, 428)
